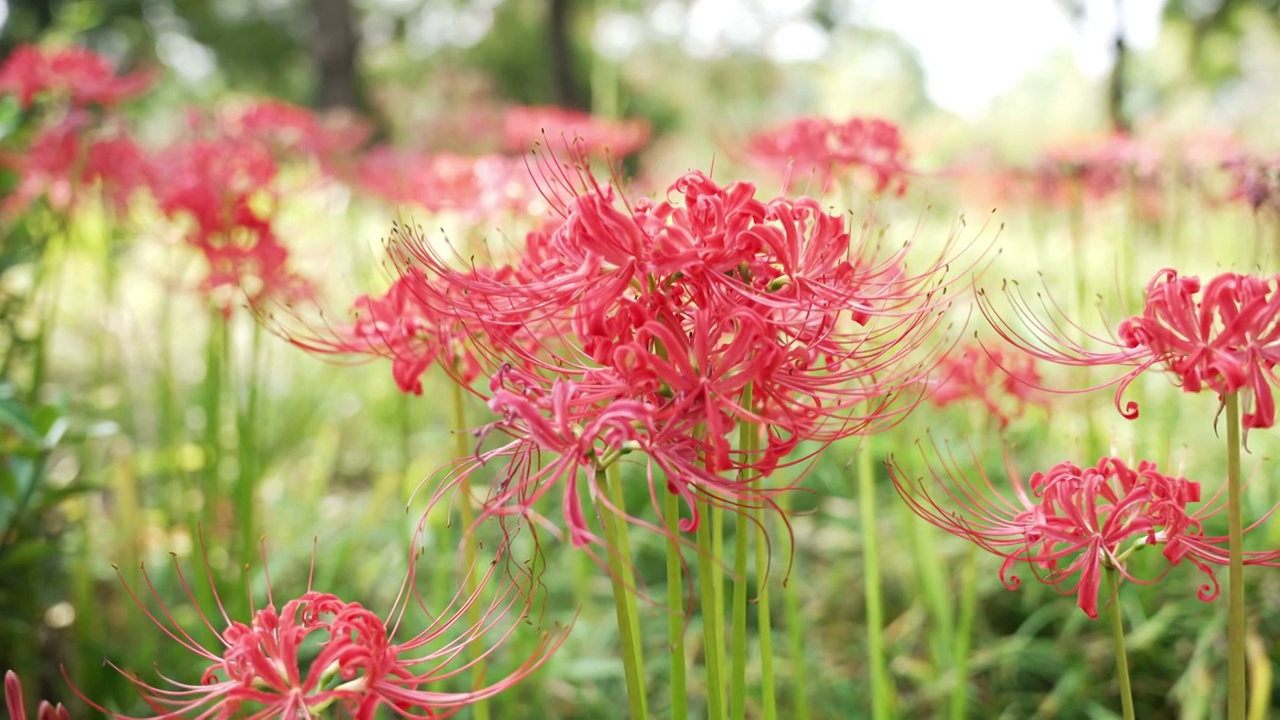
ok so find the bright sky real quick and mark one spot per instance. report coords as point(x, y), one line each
point(972, 50)
point(977, 49)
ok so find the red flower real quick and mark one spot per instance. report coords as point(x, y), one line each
point(1256, 181)
point(1224, 336)
point(1069, 523)
point(832, 149)
point(224, 187)
point(657, 330)
point(77, 74)
point(291, 130)
point(483, 187)
point(265, 664)
point(66, 158)
point(17, 708)
point(1004, 384)
point(595, 137)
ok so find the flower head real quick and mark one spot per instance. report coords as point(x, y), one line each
point(1069, 523)
point(596, 137)
point(833, 149)
point(1222, 335)
point(266, 664)
point(79, 75)
point(1004, 383)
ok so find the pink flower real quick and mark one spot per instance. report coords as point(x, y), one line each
point(832, 149)
point(595, 137)
point(265, 663)
point(1005, 384)
point(483, 187)
point(17, 708)
point(1069, 523)
point(78, 74)
point(1256, 181)
point(1223, 336)
point(67, 158)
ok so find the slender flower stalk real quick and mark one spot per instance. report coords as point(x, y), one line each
point(798, 674)
point(964, 634)
point(1237, 697)
point(1117, 634)
point(678, 611)
point(881, 692)
point(624, 600)
point(468, 516)
point(712, 621)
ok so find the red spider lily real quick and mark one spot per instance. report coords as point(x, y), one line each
point(1094, 170)
point(1224, 336)
point(17, 708)
point(1255, 180)
point(76, 74)
point(291, 131)
point(1069, 523)
point(832, 149)
point(485, 186)
point(525, 127)
point(224, 188)
point(1004, 384)
point(65, 159)
point(262, 667)
point(657, 329)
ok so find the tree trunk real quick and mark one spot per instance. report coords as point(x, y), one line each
point(562, 78)
point(1115, 87)
point(334, 50)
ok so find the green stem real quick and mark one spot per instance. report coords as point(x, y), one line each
point(1236, 669)
point(1117, 633)
point(964, 634)
point(468, 518)
point(795, 630)
point(247, 451)
point(675, 610)
point(764, 623)
point(742, 529)
point(622, 577)
point(713, 637)
point(881, 700)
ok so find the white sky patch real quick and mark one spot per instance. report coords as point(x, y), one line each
point(4, 13)
point(973, 51)
point(797, 40)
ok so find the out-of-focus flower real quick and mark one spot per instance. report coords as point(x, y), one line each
point(67, 158)
point(318, 651)
point(76, 74)
point(1004, 383)
point(525, 127)
point(17, 707)
point(1069, 523)
point(1223, 336)
point(1099, 169)
point(834, 150)
point(1255, 180)
point(223, 187)
point(294, 131)
point(483, 187)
